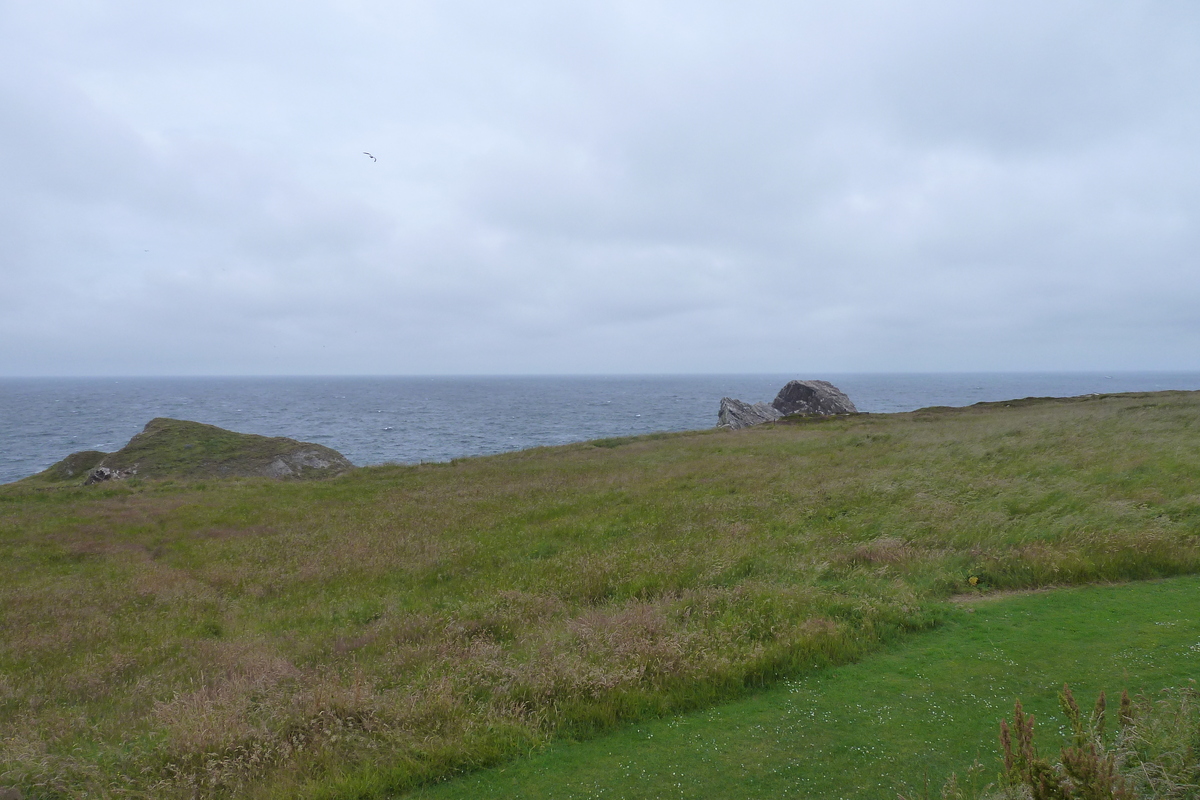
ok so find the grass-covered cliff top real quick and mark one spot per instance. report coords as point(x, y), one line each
point(173, 448)
point(356, 636)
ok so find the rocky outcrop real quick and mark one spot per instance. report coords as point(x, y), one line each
point(813, 398)
point(298, 463)
point(797, 398)
point(101, 474)
point(735, 414)
point(172, 448)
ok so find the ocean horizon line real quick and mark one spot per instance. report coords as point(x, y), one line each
point(603, 375)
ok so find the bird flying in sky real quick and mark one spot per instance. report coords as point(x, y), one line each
point(373, 158)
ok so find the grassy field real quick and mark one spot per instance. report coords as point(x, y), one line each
point(883, 726)
point(365, 634)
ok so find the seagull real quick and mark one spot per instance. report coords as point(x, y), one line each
point(373, 158)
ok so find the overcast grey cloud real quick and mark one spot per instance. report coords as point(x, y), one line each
point(598, 187)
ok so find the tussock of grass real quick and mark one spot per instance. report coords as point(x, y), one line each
point(402, 624)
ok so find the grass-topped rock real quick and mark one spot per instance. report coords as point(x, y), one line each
point(173, 448)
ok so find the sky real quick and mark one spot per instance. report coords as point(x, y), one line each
point(598, 187)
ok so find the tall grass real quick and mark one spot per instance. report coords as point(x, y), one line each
point(402, 624)
point(1152, 754)
point(899, 721)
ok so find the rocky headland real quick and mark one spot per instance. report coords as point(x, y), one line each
point(173, 448)
point(797, 398)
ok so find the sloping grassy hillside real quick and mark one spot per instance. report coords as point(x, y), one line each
point(398, 624)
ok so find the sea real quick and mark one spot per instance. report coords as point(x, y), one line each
point(407, 420)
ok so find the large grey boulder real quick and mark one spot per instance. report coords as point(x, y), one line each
point(735, 414)
point(814, 398)
point(804, 398)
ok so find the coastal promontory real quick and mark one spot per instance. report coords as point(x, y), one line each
point(173, 448)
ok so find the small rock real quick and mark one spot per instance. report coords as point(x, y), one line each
point(279, 469)
point(97, 475)
point(301, 461)
point(101, 474)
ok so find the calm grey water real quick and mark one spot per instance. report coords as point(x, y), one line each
point(377, 420)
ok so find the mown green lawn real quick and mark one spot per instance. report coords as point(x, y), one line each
point(922, 709)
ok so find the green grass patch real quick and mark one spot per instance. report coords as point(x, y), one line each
point(397, 625)
point(887, 724)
